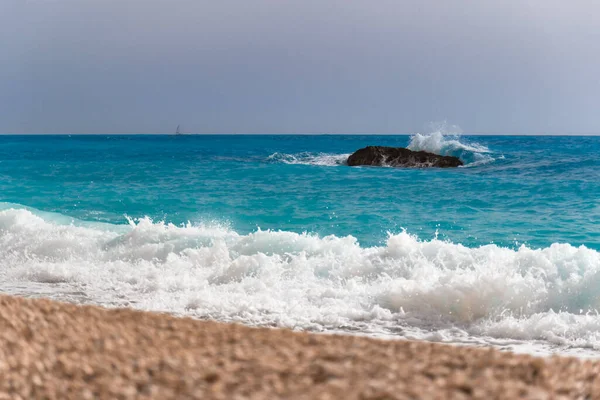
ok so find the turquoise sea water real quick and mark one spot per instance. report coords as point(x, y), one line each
point(532, 190)
point(276, 230)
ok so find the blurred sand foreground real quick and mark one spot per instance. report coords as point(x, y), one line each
point(63, 351)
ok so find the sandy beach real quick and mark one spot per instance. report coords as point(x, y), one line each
point(63, 351)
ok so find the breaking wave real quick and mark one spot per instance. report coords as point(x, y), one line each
point(414, 288)
point(472, 154)
point(445, 144)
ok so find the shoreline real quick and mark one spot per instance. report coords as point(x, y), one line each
point(50, 349)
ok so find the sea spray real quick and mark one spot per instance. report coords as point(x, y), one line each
point(408, 287)
point(441, 141)
point(448, 143)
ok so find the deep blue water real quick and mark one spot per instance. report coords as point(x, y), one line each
point(532, 190)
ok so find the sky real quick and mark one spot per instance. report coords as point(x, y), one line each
point(299, 66)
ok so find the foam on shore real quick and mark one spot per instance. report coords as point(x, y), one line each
point(411, 288)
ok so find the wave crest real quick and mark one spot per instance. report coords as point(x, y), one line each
point(451, 145)
point(408, 286)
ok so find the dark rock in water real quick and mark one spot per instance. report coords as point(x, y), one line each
point(401, 157)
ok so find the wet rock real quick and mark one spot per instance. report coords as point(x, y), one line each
point(401, 157)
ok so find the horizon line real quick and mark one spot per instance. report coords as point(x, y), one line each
point(292, 134)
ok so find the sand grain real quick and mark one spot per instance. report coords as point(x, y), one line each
point(63, 351)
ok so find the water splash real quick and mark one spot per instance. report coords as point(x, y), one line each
point(448, 141)
point(409, 287)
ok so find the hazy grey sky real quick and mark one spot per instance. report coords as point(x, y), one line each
point(347, 66)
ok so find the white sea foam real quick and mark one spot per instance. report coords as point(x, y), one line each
point(432, 289)
point(451, 144)
point(437, 142)
point(307, 158)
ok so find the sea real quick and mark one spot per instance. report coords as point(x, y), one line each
point(276, 231)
